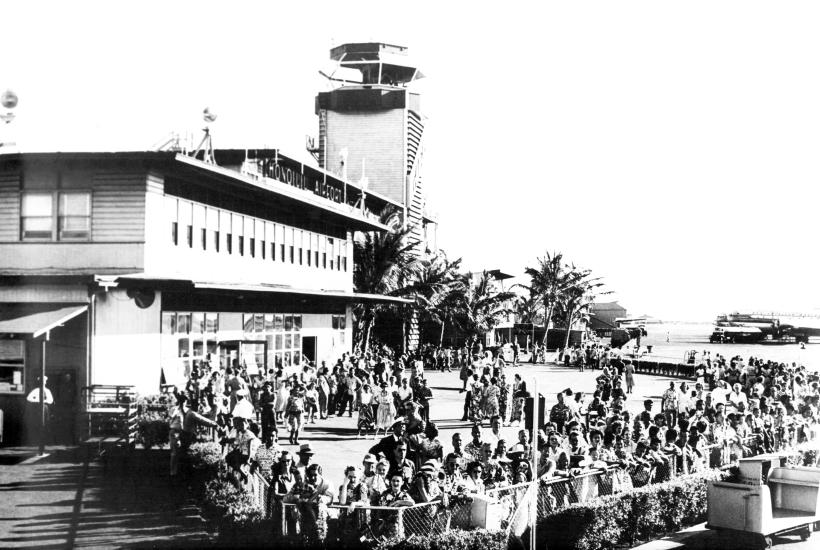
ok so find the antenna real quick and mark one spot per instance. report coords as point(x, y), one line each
point(206, 145)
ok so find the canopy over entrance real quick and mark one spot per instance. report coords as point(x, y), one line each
point(34, 320)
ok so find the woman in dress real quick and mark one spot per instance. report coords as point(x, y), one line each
point(476, 393)
point(503, 398)
point(282, 395)
point(519, 396)
point(629, 374)
point(352, 493)
point(387, 409)
point(490, 398)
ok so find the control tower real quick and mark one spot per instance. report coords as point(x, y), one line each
point(371, 127)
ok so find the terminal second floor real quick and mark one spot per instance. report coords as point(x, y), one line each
point(164, 214)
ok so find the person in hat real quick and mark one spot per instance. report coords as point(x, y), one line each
point(368, 466)
point(312, 499)
point(305, 459)
point(295, 410)
point(426, 486)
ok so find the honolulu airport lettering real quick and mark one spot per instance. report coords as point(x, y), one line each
point(269, 168)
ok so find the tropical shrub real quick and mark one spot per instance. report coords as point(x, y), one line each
point(205, 457)
point(152, 420)
point(625, 518)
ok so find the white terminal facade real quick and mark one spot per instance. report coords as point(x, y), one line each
point(132, 266)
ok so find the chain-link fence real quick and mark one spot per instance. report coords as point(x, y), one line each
point(507, 508)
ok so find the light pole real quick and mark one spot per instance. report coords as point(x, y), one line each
point(8, 100)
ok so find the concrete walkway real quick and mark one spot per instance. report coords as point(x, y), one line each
point(63, 502)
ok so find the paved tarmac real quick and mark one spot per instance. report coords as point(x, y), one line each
point(60, 502)
point(336, 445)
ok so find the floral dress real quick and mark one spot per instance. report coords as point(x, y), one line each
point(503, 399)
point(391, 527)
point(476, 412)
point(490, 399)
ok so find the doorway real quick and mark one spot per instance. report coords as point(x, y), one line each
point(309, 348)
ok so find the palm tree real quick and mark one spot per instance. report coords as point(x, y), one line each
point(480, 307)
point(436, 288)
point(548, 283)
point(576, 300)
point(384, 261)
point(528, 308)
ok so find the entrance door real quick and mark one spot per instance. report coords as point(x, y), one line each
point(63, 386)
point(309, 348)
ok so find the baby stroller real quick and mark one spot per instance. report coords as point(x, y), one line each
point(367, 420)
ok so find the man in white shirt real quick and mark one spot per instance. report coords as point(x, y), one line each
point(243, 407)
point(35, 411)
point(720, 392)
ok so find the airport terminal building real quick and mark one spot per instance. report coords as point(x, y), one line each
point(127, 268)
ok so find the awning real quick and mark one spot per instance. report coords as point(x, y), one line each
point(188, 284)
point(350, 296)
point(31, 320)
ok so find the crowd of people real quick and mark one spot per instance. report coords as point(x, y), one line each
point(732, 408)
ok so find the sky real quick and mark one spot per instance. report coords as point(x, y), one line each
point(670, 147)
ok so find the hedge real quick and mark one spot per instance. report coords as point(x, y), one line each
point(152, 420)
point(623, 519)
point(477, 539)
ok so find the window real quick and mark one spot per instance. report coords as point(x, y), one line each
point(282, 252)
point(189, 236)
point(211, 323)
point(291, 254)
point(229, 242)
point(262, 249)
point(12, 366)
point(216, 241)
point(324, 260)
point(273, 251)
point(344, 262)
point(241, 245)
point(204, 238)
point(300, 255)
point(175, 233)
point(316, 258)
point(37, 216)
point(75, 216)
point(252, 247)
